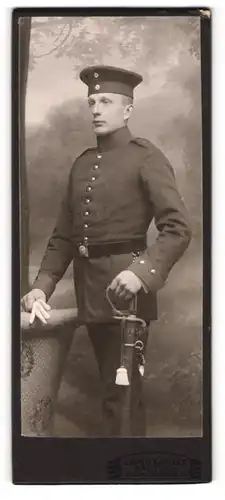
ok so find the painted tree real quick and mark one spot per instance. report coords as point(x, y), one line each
point(96, 40)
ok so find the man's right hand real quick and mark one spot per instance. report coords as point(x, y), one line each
point(35, 303)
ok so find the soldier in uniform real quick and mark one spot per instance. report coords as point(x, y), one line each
point(113, 193)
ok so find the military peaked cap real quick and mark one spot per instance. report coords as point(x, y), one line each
point(109, 79)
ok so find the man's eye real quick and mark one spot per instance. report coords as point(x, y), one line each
point(90, 103)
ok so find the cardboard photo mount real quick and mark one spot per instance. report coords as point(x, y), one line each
point(54, 460)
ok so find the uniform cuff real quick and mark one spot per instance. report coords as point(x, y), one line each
point(152, 280)
point(45, 284)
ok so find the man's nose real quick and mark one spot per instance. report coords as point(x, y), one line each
point(96, 110)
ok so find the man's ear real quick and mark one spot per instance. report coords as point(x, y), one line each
point(127, 111)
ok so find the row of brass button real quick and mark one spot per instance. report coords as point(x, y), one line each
point(87, 213)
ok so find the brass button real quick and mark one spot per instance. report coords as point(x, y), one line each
point(83, 251)
point(86, 213)
point(85, 226)
point(87, 200)
point(96, 75)
point(93, 178)
point(86, 239)
point(97, 87)
point(153, 271)
point(88, 188)
point(99, 156)
point(96, 167)
point(142, 261)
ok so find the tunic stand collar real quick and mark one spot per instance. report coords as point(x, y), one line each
point(117, 139)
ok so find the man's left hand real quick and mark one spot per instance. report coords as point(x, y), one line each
point(126, 285)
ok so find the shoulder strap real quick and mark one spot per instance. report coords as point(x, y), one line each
point(142, 142)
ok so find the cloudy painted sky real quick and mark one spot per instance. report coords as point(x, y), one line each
point(50, 83)
point(52, 80)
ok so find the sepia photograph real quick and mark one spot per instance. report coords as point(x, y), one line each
point(111, 226)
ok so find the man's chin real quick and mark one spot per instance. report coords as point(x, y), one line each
point(101, 130)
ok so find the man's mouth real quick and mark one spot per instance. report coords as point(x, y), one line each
point(98, 122)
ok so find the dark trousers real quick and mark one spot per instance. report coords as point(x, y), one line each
point(106, 341)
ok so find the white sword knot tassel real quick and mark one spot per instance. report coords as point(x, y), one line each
point(126, 317)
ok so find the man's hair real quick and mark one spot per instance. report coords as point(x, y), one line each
point(127, 100)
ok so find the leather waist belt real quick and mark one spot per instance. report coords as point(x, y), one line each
point(106, 249)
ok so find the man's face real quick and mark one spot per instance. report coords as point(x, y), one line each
point(109, 112)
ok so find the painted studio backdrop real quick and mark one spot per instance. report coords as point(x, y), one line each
point(166, 51)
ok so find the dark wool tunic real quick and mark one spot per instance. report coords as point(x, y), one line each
point(114, 191)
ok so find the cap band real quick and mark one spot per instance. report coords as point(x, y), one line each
point(110, 88)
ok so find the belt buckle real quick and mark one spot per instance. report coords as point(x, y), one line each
point(83, 250)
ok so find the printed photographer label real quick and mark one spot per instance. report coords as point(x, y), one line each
point(154, 466)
